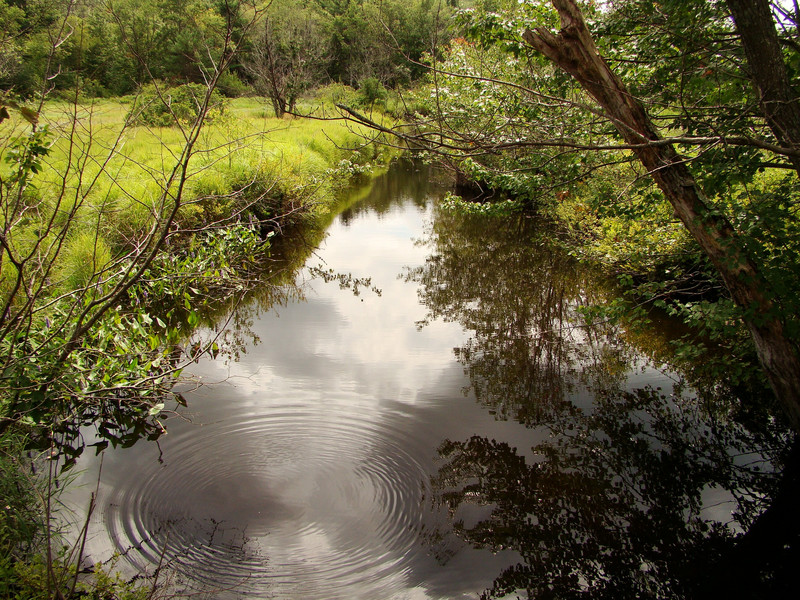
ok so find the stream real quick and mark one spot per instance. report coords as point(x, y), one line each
point(427, 414)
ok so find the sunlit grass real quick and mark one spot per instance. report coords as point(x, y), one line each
point(108, 178)
point(105, 180)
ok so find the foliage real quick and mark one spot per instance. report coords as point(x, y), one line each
point(489, 120)
point(211, 267)
point(631, 228)
point(370, 92)
point(231, 85)
point(38, 579)
point(26, 522)
point(503, 208)
point(383, 39)
point(109, 49)
point(335, 93)
point(157, 106)
point(121, 376)
point(505, 119)
point(22, 524)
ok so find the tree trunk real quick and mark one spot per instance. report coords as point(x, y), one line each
point(574, 51)
point(760, 564)
point(278, 105)
point(768, 72)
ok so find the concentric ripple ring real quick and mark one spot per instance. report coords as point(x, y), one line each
point(259, 502)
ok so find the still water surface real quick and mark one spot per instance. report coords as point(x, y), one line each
point(419, 435)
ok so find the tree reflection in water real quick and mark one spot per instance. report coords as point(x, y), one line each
point(622, 492)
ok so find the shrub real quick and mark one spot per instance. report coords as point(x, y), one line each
point(165, 107)
point(22, 524)
point(499, 208)
point(232, 86)
point(370, 92)
point(336, 93)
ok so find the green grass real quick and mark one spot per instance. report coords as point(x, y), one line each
point(115, 176)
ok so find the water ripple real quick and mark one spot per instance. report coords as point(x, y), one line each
point(274, 502)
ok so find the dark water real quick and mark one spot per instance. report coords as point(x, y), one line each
point(452, 426)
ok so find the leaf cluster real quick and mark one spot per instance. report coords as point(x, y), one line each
point(505, 119)
point(156, 106)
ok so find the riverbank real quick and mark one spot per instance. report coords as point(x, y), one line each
point(96, 194)
point(633, 236)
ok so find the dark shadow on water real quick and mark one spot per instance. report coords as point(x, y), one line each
point(636, 484)
point(406, 180)
point(638, 500)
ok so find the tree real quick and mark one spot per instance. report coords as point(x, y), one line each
point(573, 50)
point(384, 39)
point(778, 101)
point(10, 17)
point(289, 56)
point(538, 127)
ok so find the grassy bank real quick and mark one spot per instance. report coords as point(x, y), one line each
point(84, 197)
point(244, 157)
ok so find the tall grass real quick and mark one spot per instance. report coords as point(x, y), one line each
point(247, 161)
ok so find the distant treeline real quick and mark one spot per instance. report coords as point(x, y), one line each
point(114, 46)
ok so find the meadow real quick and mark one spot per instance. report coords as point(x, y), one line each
point(110, 177)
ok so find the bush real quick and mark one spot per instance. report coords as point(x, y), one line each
point(25, 569)
point(165, 107)
point(22, 524)
point(336, 93)
point(232, 86)
point(400, 106)
point(370, 92)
